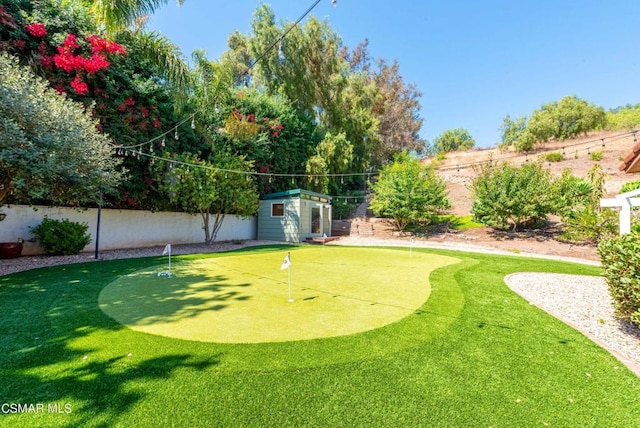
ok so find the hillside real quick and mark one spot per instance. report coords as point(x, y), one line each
point(458, 167)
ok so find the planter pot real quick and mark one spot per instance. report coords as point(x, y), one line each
point(10, 250)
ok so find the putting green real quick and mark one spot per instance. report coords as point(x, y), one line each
point(245, 298)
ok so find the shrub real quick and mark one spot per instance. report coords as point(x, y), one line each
point(620, 258)
point(577, 202)
point(342, 208)
point(553, 157)
point(507, 196)
point(629, 186)
point(61, 237)
point(596, 156)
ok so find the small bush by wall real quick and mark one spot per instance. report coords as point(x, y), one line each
point(62, 237)
point(620, 258)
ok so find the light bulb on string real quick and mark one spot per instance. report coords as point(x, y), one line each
point(163, 143)
point(176, 136)
point(150, 148)
point(193, 122)
point(280, 53)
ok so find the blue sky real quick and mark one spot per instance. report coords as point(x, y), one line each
point(473, 61)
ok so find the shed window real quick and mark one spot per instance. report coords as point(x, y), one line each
point(277, 210)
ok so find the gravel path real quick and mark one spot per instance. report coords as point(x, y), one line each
point(581, 301)
point(584, 303)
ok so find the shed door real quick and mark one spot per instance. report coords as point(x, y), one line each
point(316, 220)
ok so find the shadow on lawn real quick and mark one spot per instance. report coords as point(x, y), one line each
point(145, 299)
point(60, 348)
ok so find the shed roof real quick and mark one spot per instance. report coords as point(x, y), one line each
point(631, 163)
point(296, 193)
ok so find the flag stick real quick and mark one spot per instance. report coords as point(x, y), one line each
point(169, 261)
point(289, 269)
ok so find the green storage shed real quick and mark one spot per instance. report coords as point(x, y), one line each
point(294, 216)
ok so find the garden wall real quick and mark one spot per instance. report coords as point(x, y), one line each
point(121, 228)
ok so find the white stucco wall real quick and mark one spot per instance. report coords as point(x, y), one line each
point(121, 228)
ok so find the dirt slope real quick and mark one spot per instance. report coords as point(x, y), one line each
point(458, 167)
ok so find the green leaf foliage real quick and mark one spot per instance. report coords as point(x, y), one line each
point(454, 139)
point(578, 204)
point(61, 237)
point(560, 120)
point(210, 188)
point(621, 267)
point(506, 196)
point(629, 186)
point(408, 191)
point(627, 117)
point(50, 149)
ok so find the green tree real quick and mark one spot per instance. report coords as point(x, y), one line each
point(507, 196)
point(408, 191)
point(627, 117)
point(50, 149)
point(333, 155)
point(454, 139)
point(512, 130)
point(567, 118)
point(211, 189)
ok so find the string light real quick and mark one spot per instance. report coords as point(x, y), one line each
point(609, 139)
point(193, 122)
point(176, 136)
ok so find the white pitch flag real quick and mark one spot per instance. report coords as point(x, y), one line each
point(286, 263)
point(167, 249)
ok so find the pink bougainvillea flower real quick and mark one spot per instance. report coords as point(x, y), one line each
point(46, 61)
point(36, 29)
point(79, 86)
point(70, 41)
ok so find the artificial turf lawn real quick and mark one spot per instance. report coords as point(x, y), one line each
point(244, 299)
point(475, 354)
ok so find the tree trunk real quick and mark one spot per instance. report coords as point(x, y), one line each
point(217, 223)
point(205, 226)
point(5, 188)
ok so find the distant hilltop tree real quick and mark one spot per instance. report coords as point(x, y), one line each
point(452, 140)
point(560, 120)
